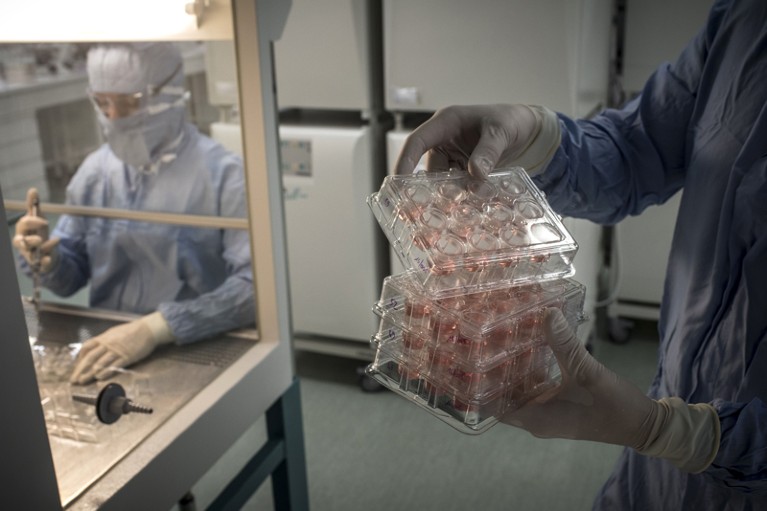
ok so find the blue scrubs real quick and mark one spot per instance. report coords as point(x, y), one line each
point(700, 125)
point(200, 279)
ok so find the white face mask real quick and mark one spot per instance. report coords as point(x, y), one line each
point(147, 138)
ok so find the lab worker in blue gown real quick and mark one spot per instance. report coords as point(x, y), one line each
point(186, 283)
point(698, 439)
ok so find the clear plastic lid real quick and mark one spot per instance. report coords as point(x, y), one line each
point(460, 235)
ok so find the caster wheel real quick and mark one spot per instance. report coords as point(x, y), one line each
point(366, 383)
point(619, 330)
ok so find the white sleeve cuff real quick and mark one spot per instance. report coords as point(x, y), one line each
point(160, 328)
point(687, 435)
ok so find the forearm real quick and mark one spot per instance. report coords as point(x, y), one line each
point(230, 306)
point(599, 175)
point(624, 160)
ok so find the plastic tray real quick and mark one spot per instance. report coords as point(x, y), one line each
point(65, 417)
point(481, 329)
point(466, 413)
point(460, 235)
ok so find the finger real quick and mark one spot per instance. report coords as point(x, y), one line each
point(105, 373)
point(45, 263)
point(88, 346)
point(48, 246)
point(410, 155)
point(571, 355)
point(111, 369)
point(33, 241)
point(106, 361)
point(19, 243)
point(89, 372)
point(33, 202)
point(435, 132)
point(491, 145)
point(86, 358)
point(437, 161)
point(31, 224)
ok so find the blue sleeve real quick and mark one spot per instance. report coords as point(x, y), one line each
point(232, 304)
point(229, 306)
point(741, 462)
point(623, 160)
point(72, 270)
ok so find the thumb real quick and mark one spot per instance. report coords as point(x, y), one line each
point(49, 245)
point(484, 157)
point(488, 150)
point(33, 202)
point(568, 349)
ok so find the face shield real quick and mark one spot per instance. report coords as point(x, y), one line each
point(142, 128)
point(116, 105)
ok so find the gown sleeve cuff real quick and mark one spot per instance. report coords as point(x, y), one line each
point(688, 435)
point(161, 332)
point(543, 145)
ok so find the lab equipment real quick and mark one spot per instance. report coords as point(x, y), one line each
point(31, 240)
point(105, 480)
point(469, 359)
point(457, 234)
point(460, 331)
point(167, 380)
point(111, 403)
point(35, 256)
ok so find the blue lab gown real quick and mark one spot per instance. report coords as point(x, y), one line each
point(199, 279)
point(700, 125)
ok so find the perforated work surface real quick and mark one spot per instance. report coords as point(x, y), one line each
point(55, 327)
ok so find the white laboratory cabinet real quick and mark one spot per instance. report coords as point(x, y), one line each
point(656, 31)
point(333, 240)
point(327, 67)
point(166, 463)
point(334, 247)
point(548, 52)
point(552, 52)
point(326, 56)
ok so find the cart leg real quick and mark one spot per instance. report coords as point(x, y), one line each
point(289, 482)
point(282, 457)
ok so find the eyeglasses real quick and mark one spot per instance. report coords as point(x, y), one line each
point(114, 104)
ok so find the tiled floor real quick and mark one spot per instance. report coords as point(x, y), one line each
point(378, 452)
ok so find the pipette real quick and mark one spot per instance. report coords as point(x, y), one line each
point(36, 262)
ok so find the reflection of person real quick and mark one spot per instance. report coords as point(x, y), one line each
point(699, 441)
point(189, 283)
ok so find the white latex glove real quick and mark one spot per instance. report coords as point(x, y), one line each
point(482, 138)
point(120, 346)
point(593, 403)
point(31, 238)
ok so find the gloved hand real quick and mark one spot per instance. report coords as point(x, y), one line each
point(31, 238)
point(482, 138)
point(593, 403)
point(120, 346)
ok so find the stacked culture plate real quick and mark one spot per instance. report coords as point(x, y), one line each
point(460, 332)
